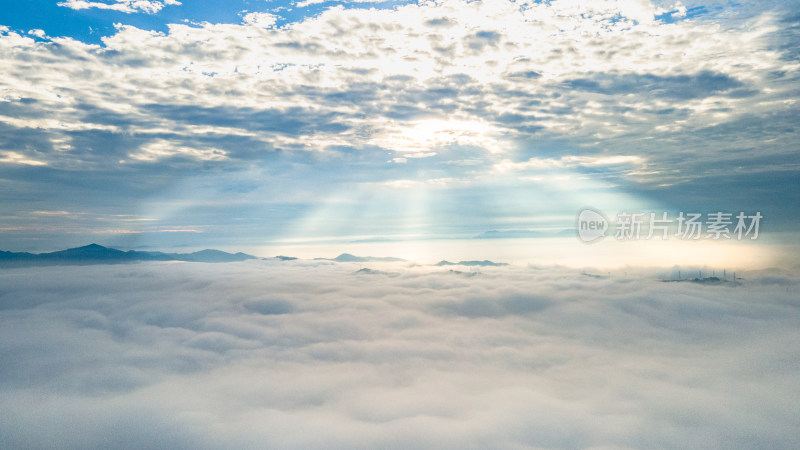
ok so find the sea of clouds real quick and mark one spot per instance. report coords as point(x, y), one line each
point(302, 354)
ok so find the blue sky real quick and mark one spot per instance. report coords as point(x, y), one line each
point(160, 124)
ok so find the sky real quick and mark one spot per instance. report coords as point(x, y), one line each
point(315, 354)
point(281, 126)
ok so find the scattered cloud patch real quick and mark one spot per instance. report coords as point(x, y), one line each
point(51, 213)
point(9, 157)
point(126, 6)
point(259, 19)
point(568, 162)
point(162, 149)
point(307, 3)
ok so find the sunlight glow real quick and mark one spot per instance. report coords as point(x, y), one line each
point(421, 138)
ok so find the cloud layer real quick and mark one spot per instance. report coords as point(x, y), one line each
point(493, 72)
point(300, 354)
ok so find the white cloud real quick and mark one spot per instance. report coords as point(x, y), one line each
point(8, 157)
point(310, 354)
point(259, 19)
point(306, 3)
point(51, 213)
point(126, 6)
point(162, 149)
point(677, 10)
point(569, 162)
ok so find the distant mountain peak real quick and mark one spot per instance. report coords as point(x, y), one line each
point(485, 262)
point(347, 257)
point(97, 254)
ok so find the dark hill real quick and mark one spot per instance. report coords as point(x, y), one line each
point(97, 254)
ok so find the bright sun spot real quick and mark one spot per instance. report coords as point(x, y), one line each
point(420, 139)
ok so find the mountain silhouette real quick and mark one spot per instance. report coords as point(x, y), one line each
point(347, 257)
point(470, 263)
point(97, 254)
